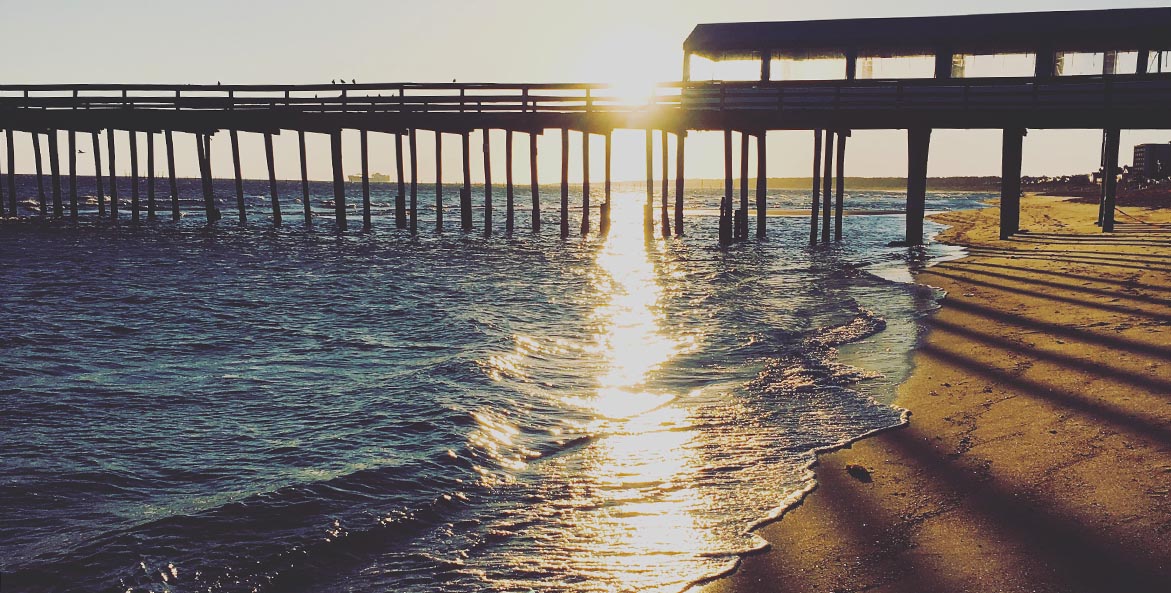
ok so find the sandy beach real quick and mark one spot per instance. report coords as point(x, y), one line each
point(1038, 453)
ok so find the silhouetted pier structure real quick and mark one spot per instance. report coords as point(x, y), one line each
point(1119, 95)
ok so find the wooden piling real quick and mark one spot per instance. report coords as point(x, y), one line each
point(648, 209)
point(97, 150)
point(170, 141)
point(55, 173)
point(339, 182)
point(306, 204)
point(534, 186)
point(465, 196)
point(726, 199)
point(150, 177)
point(400, 199)
point(364, 143)
point(564, 183)
point(680, 178)
point(113, 173)
point(509, 197)
point(135, 205)
point(840, 186)
point(665, 199)
point(761, 185)
point(438, 181)
point(412, 139)
point(487, 182)
point(1010, 182)
point(234, 136)
point(606, 207)
point(42, 200)
point(203, 148)
point(9, 141)
point(585, 182)
point(276, 201)
point(3, 202)
point(742, 233)
point(816, 187)
point(1110, 179)
point(827, 184)
point(918, 148)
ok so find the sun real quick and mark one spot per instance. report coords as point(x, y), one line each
point(631, 61)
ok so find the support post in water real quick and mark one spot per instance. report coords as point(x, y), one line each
point(3, 202)
point(839, 205)
point(8, 139)
point(305, 202)
point(339, 182)
point(97, 148)
point(41, 199)
point(487, 182)
point(680, 176)
point(135, 205)
point(1010, 181)
point(412, 139)
point(170, 141)
point(604, 225)
point(364, 141)
point(564, 183)
point(585, 182)
point(816, 187)
point(1110, 179)
point(400, 199)
point(827, 188)
point(761, 185)
point(438, 181)
point(665, 199)
point(534, 187)
point(918, 148)
point(209, 205)
point(55, 173)
point(465, 196)
point(234, 136)
point(114, 176)
point(726, 199)
point(648, 209)
point(72, 138)
point(276, 200)
point(742, 229)
point(509, 195)
point(150, 176)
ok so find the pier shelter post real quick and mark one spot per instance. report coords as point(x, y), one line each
point(585, 182)
point(604, 225)
point(816, 187)
point(465, 196)
point(648, 210)
point(918, 149)
point(306, 206)
point(840, 186)
point(509, 190)
point(135, 206)
point(534, 188)
point(169, 139)
point(1010, 182)
point(113, 171)
point(72, 142)
point(8, 140)
point(761, 185)
point(339, 182)
point(234, 136)
point(151, 206)
point(726, 199)
point(364, 141)
point(55, 173)
point(438, 181)
point(1110, 179)
point(827, 187)
point(680, 177)
point(41, 200)
point(742, 233)
point(276, 201)
point(564, 183)
point(487, 182)
point(413, 142)
point(400, 199)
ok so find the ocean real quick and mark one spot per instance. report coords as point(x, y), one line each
point(238, 409)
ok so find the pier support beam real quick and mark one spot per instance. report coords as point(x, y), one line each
point(339, 182)
point(509, 190)
point(1112, 138)
point(761, 185)
point(839, 204)
point(72, 141)
point(113, 176)
point(585, 182)
point(827, 188)
point(680, 177)
point(234, 136)
point(1010, 182)
point(3, 201)
point(438, 181)
point(742, 213)
point(534, 186)
point(55, 173)
point(9, 142)
point(487, 182)
point(648, 210)
point(365, 150)
point(276, 200)
point(604, 225)
point(400, 199)
point(97, 149)
point(665, 208)
point(168, 137)
point(203, 143)
point(151, 205)
point(918, 149)
point(816, 186)
point(564, 183)
point(726, 199)
point(413, 141)
point(41, 199)
point(465, 196)
point(305, 201)
point(135, 206)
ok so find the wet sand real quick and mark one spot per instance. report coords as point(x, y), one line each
point(1038, 453)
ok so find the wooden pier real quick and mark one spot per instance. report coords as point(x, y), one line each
point(1110, 100)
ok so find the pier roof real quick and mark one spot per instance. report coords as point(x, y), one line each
point(1082, 30)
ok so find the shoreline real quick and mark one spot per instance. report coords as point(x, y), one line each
point(1008, 480)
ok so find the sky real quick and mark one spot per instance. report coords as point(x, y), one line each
point(622, 41)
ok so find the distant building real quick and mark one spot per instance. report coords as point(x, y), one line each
point(1152, 161)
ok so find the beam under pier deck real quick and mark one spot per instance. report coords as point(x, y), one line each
point(151, 206)
point(305, 202)
point(564, 183)
point(135, 205)
point(339, 182)
point(42, 201)
point(918, 149)
point(72, 161)
point(534, 186)
point(816, 187)
point(413, 145)
point(1110, 180)
point(827, 187)
point(487, 182)
point(465, 195)
point(97, 148)
point(55, 173)
point(680, 176)
point(169, 138)
point(112, 157)
point(8, 140)
point(234, 136)
point(742, 229)
point(276, 200)
point(839, 204)
point(665, 213)
point(726, 199)
point(438, 181)
point(364, 140)
point(585, 183)
point(509, 190)
point(1010, 182)
point(648, 211)
point(400, 199)
point(761, 185)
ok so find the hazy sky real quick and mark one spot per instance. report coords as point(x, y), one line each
point(299, 41)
